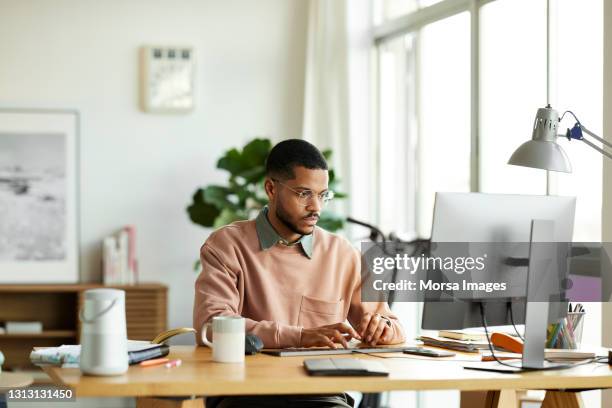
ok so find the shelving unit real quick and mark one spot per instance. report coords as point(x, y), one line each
point(57, 307)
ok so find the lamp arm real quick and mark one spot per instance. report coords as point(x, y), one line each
point(599, 149)
point(577, 131)
point(594, 136)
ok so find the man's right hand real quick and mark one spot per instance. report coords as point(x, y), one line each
point(328, 335)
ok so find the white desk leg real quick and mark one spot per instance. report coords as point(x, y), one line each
point(560, 399)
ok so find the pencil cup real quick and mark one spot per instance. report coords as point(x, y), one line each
point(568, 333)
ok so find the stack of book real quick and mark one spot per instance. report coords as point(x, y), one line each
point(119, 264)
point(466, 345)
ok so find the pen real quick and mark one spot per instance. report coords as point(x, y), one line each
point(174, 363)
point(154, 362)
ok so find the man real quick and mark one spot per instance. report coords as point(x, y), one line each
point(295, 283)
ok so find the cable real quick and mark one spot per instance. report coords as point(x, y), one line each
point(484, 324)
point(512, 320)
point(571, 113)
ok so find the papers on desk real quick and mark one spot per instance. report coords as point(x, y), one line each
point(466, 346)
point(68, 355)
point(64, 354)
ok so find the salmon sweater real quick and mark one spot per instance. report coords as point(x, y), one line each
point(280, 290)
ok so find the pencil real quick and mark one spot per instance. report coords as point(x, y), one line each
point(154, 362)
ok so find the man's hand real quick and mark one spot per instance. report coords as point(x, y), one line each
point(328, 335)
point(374, 329)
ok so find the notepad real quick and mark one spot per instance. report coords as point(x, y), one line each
point(345, 367)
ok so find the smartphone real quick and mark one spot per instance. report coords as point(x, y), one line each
point(421, 351)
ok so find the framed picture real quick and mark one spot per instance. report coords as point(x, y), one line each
point(38, 196)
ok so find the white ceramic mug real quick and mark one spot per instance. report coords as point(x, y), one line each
point(227, 338)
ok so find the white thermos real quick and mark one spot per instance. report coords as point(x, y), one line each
point(103, 333)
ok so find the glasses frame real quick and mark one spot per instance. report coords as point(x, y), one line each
point(323, 200)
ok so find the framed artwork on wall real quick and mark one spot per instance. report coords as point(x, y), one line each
point(38, 196)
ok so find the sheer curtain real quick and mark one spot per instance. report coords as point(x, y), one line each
point(336, 101)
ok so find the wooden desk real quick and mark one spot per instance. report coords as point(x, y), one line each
point(12, 380)
point(262, 374)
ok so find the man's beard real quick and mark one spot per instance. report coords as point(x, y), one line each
point(282, 215)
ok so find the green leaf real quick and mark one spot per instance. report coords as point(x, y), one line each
point(254, 174)
point(255, 152)
point(218, 196)
point(202, 213)
point(232, 162)
point(226, 217)
point(327, 153)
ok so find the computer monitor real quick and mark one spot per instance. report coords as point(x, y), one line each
point(494, 218)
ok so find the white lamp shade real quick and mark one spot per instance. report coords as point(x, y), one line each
point(540, 154)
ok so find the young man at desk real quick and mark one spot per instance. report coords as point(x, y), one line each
point(295, 283)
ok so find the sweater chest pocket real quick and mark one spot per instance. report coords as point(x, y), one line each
point(317, 312)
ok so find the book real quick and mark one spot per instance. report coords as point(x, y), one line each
point(466, 346)
point(119, 262)
point(462, 335)
point(147, 352)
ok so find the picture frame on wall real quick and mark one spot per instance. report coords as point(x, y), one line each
point(38, 196)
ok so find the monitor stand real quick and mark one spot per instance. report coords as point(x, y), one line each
point(536, 314)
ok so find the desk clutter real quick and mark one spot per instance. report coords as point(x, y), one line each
point(508, 345)
point(567, 334)
point(69, 355)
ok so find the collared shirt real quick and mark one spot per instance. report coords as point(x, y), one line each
point(268, 237)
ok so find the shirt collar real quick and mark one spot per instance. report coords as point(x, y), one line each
point(268, 236)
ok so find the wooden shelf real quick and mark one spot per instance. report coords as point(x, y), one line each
point(57, 307)
point(44, 334)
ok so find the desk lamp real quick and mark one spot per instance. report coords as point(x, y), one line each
point(543, 152)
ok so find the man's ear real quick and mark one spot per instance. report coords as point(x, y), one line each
point(270, 188)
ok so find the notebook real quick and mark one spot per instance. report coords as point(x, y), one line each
point(345, 367)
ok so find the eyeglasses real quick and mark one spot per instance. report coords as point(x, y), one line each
point(306, 197)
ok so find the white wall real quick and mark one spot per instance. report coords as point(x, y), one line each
point(140, 168)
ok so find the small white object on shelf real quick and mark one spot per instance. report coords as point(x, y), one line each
point(23, 327)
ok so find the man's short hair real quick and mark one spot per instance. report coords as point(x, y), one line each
point(291, 153)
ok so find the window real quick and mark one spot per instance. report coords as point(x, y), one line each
point(512, 88)
point(453, 76)
point(444, 112)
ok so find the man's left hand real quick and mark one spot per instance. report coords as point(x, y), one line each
point(374, 329)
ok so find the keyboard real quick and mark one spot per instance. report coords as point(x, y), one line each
point(320, 351)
